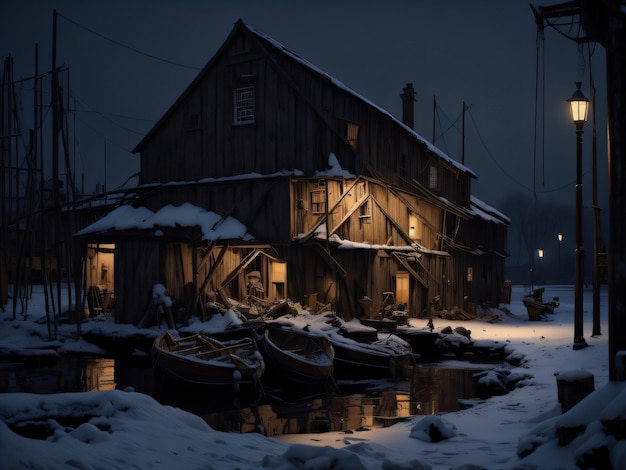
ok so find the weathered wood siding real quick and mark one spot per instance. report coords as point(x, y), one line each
point(138, 269)
point(300, 118)
point(262, 204)
point(363, 210)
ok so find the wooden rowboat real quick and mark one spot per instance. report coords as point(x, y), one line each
point(199, 359)
point(297, 354)
point(367, 353)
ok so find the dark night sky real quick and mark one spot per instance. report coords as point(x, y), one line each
point(479, 52)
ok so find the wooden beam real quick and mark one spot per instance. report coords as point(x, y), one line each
point(245, 262)
point(400, 230)
point(214, 266)
point(411, 271)
point(357, 204)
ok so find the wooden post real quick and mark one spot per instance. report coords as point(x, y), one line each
point(572, 387)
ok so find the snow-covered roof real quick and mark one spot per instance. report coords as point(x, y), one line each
point(212, 225)
point(292, 55)
point(334, 169)
point(487, 212)
point(342, 244)
point(347, 89)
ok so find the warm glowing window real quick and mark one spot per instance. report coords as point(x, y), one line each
point(414, 228)
point(244, 105)
point(470, 274)
point(402, 287)
point(279, 272)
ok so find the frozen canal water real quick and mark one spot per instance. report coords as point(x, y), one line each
point(275, 409)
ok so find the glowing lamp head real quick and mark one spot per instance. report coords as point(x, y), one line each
point(579, 107)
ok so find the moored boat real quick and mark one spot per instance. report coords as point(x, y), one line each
point(296, 354)
point(364, 352)
point(199, 359)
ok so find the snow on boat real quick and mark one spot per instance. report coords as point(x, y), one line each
point(364, 352)
point(296, 354)
point(199, 359)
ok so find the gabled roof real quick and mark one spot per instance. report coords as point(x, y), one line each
point(279, 47)
point(241, 27)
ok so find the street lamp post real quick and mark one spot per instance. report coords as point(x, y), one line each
point(579, 106)
point(540, 256)
point(560, 239)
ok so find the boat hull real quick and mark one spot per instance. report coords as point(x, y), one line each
point(363, 363)
point(297, 356)
point(190, 360)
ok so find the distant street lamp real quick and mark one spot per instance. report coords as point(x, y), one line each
point(579, 107)
point(540, 256)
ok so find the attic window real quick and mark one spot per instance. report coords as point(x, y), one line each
point(352, 134)
point(433, 177)
point(244, 101)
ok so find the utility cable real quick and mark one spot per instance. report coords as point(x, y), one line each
point(125, 46)
point(105, 115)
point(519, 183)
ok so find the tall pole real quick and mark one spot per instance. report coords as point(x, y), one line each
point(579, 340)
point(463, 136)
point(560, 239)
point(614, 28)
point(596, 330)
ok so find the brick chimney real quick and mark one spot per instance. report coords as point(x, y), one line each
point(408, 98)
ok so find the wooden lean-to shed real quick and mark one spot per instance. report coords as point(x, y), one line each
point(341, 201)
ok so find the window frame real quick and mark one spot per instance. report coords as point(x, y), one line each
point(433, 177)
point(318, 199)
point(244, 105)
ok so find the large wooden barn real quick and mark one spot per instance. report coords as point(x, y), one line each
point(341, 203)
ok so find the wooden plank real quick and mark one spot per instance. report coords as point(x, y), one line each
point(413, 273)
point(245, 262)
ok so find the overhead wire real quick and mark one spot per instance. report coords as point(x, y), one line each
point(511, 177)
point(126, 46)
point(452, 125)
point(105, 115)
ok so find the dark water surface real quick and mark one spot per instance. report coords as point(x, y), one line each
point(275, 410)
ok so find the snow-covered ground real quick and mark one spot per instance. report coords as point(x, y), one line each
point(125, 429)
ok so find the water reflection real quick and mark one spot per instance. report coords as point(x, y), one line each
point(274, 411)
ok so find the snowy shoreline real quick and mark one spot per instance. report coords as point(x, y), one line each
point(131, 429)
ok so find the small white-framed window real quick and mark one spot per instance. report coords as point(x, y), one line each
point(244, 103)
